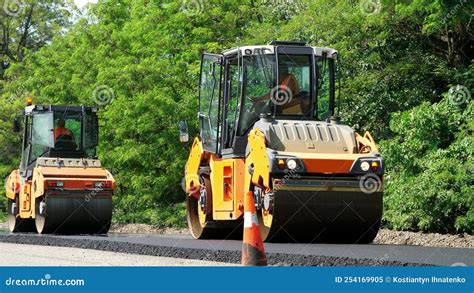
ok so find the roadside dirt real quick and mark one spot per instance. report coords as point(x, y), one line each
point(424, 239)
point(118, 228)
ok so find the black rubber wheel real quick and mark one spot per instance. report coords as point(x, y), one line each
point(15, 224)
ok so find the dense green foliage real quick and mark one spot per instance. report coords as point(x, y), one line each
point(140, 60)
point(431, 179)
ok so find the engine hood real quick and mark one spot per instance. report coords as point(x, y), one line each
point(308, 136)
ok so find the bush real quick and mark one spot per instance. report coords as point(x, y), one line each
point(130, 210)
point(430, 168)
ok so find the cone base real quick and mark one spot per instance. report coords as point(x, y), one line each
point(252, 256)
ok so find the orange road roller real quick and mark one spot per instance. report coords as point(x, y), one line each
point(268, 125)
point(60, 186)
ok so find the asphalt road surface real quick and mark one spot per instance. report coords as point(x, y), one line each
point(36, 255)
point(228, 251)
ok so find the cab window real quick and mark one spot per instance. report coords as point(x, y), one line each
point(232, 105)
point(41, 135)
point(323, 88)
point(67, 131)
point(258, 82)
point(293, 95)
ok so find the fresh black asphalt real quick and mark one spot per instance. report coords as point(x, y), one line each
point(182, 246)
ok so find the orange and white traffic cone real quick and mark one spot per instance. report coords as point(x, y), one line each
point(253, 251)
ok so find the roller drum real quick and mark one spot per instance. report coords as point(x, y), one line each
point(324, 217)
point(68, 212)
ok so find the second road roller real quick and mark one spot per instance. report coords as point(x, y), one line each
point(60, 186)
point(268, 125)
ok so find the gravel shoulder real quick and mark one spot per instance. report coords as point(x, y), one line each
point(119, 228)
point(35, 255)
point(386, 236)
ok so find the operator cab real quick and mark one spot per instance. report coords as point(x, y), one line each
point(58, 132)
point(282, 80)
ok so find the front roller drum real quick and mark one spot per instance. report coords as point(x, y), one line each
point(304, 216)
point(74, 213)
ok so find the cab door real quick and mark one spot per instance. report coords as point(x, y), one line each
point(211, 130)
point(227, 169)
point(209, 101)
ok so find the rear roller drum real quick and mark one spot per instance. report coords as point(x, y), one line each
point(196, 218)
point(199, 217)
point(42, 226)
point(16, 224)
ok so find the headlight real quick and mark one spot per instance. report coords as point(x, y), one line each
point(375, 166)
point(103, 185)
point(281, 164)
point(364, 166)
point(99, 185)
point(291, 164)
point(59, 184)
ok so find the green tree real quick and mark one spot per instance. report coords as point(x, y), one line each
point(28, 26)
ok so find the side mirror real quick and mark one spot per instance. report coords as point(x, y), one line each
point(335, 120)
point(16, 125)
point(183, 131)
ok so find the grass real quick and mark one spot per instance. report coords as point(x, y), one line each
point(172, 216)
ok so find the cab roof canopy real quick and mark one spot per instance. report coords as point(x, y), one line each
point(271, 49)
point(59, 108)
